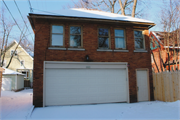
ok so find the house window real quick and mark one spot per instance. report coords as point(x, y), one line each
point(22, 63)
point(103, 38)
point(119, 39)
point(75, 36)
point(15, 54)
point(139, 40)
point(57, 36)
point(25, 74)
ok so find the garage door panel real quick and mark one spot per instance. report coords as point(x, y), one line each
point(85, 86)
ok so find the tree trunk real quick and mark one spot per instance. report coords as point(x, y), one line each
point(154, 61)
point(122, 7)
point(134, 8)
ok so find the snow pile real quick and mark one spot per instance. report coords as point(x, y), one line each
point(96, 14)
point(8, 71)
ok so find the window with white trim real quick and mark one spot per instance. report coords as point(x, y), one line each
point(139, 39)
point(57, 36)
point(120, 39)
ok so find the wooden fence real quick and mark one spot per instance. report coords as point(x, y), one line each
point(166, 86)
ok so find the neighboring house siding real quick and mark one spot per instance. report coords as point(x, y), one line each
point(90, 44)
point(161, 52)
point(21, 55)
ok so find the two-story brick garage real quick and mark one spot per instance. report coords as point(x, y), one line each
point(88, 56)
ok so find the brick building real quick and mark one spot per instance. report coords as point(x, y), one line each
point(88, 56)
point(159, 47)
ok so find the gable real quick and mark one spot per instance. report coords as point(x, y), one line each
point(20, 50)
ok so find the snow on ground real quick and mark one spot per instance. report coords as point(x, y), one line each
point(117, 111)
point(15, 105)
point(18, 105)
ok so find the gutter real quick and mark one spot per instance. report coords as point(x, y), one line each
point(85, 19)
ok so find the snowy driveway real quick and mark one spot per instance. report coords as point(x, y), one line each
point(15, 105)
point(119, 111)
point(18, 105)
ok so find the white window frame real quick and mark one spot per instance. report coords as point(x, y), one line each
point(144, 47)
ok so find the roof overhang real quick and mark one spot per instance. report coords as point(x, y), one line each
point(138, 25)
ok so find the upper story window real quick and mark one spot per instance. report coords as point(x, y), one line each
point(139, 39)
point(103, 38)
point(15, 53)
point(119, 39)
point(75, 36)
point(57, 36)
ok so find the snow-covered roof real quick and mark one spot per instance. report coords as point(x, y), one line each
point(8, 71)
point(96, 14)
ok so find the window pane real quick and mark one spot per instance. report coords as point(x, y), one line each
point(138, 34)
point(120, 43)
point(139, 43)
point(75, 40)
point(119, 33)
point(57, 40)
point(104, 42)
point(57, 29)
point(103, 32)
point(75, 30)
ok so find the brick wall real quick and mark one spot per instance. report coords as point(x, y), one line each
point(90, 44)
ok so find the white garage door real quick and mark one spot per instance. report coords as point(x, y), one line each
point(68, 86)
point(6, 84)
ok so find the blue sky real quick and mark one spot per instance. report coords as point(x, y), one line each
point(152, 11)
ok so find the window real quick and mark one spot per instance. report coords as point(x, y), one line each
point(75, 36)
point(25, 74)
point(22, 63)
point(15, 54)
point(139, 40)
point(103, 38)
point(119, 39)
point(57, 36)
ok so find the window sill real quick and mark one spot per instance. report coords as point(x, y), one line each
point(105, 50)
point(140, 51)
point(121, 50)
point(77, 49)
point(56, 48)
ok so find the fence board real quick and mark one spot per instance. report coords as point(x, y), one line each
point(166, 86)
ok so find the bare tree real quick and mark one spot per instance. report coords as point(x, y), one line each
point(7, 27)
point(170, 20)
point(5, 33)
point(124, 7)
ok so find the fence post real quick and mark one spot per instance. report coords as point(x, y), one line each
point(154, 85)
